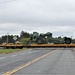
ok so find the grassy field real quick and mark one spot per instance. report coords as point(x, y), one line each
point(6, 51)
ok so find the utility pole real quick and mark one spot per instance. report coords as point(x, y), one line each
point(7, 37)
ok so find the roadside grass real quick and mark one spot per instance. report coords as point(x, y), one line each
point(6, 51)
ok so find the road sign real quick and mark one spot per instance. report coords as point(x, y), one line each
point(15, 38)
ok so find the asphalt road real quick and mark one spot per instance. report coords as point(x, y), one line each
point(60, 62)
point(11, 61)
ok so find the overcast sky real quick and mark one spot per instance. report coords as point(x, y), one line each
point(55, 16)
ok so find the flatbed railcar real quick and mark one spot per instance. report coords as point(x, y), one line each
point(50, 45)
point(40, 41)
point(12, 46)
point(36, 46)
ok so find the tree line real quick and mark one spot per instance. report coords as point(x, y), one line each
point(22, 37)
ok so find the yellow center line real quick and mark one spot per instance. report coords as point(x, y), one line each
point(27, 64)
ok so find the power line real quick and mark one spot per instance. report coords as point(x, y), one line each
point(7, 1)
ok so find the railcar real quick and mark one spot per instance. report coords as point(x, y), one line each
point(40, 41)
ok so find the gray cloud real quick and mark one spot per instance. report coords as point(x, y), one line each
point(56, 16)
